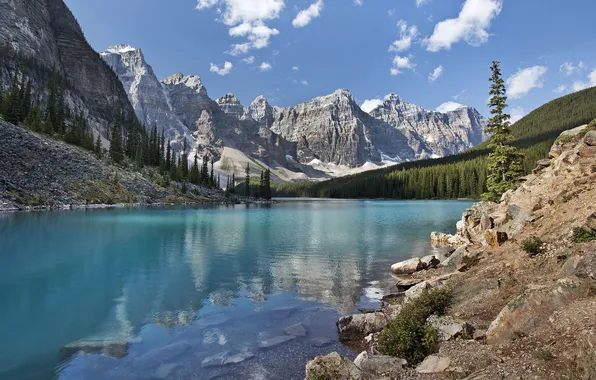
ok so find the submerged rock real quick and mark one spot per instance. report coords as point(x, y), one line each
point(272, 342)
point(162, 354)
point(296, 330)
point(226, 357)
point(320, 341)
point(116, 350)
point(332, 367)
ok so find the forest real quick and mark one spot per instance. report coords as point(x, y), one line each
point(460, 176)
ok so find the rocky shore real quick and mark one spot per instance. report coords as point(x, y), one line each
point(522, 277)
point(40, 173)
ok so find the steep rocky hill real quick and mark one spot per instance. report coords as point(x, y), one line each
point(522, 275)
point(41, 38)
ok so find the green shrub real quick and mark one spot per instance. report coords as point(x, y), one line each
point(533, 246)
point(409, 336)
point(582, 235)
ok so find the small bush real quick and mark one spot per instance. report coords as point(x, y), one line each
point(409, 336)
point(533, 246)
point(582, 235)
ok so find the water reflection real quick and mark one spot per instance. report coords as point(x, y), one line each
point(118, 277)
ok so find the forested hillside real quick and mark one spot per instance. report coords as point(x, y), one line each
point(463, 175)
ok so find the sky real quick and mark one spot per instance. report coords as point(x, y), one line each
point(433, 53)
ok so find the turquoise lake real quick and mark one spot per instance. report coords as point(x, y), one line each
point(192, 293)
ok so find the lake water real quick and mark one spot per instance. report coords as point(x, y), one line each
point(176, 293)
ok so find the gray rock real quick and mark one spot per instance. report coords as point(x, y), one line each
point(272, 342)
point(582, 266)
point(430, 262)
point(239, 357)
point(355, 327)
point(405, 284)
point(434, 364)
point(377, 366)
point(449, 328)
point(296, 330)
point(164, 370)
point(590, 138)
point(407, 267)
point(162, 354)
point(418, 290)
point(215, 360)
point(333, 367)
point(320, 341)
point(453, 261)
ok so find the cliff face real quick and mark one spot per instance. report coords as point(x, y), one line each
point(42, 36)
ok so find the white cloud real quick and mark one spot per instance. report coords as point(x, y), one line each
point(471, 25)
point(420, 3)
point(295, 68)
point(358, 2)
point(580, 85)
point(224, 70)
point(460, 95)
point(560, 89)
point(249, 60)
point(304, 82)
point(522, 82)
point(305, 16)
point(406, 37)
point(370, 104)
point(400, 63)
point(436, 74)
point(265, 66)
point(517, 114)
point(391, 12)
point(448, 107)
point(246, 18)
point(569, 69)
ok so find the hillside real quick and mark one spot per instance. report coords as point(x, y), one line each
point(38, 172)
point(459, 176)
point(519, 284)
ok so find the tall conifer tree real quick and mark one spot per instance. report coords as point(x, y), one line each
point(504, 162)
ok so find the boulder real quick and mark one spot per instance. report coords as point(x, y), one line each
point(582, 266)
point(590, 138)
point(161, 355)
point(403, 284)
point(332, 367)
point(434, 364)
point(555, 151)
point(418, 290)
point(355, 327)
point(272, 342)
point(320, 341)
point(407, 267)
point(495, 239)
point(296, 330)
point(430, 262)
point(453, 261)
point(587, 151)
point(532, 309)
point(591, 222)
point(377, 366)
point(449, 328)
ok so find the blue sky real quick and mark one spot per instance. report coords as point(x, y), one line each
point(429, 52)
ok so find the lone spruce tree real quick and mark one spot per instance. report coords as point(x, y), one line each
point(247, 181)
point(504, 162)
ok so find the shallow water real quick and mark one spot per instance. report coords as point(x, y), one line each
point(156, 293)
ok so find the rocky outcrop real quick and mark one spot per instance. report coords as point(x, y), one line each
point(146, 93)
point(353, 328)
point(334, 367)
point(42, 37)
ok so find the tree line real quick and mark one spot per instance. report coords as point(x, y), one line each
point(460, 176)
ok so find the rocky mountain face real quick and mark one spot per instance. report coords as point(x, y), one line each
point(41, 37)
point(325, 130)
point(146, 93)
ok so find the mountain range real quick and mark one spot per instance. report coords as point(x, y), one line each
point(325, 137)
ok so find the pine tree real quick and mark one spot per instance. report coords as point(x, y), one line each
point(169, 157)
point(26, 100)
point(267, 184)
point(261, 192)
point(116, 153)
point(233, 184)
point(247, 180)
point(504, 162)
point(212, 176)
point(97, 148)
point(205, 170)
